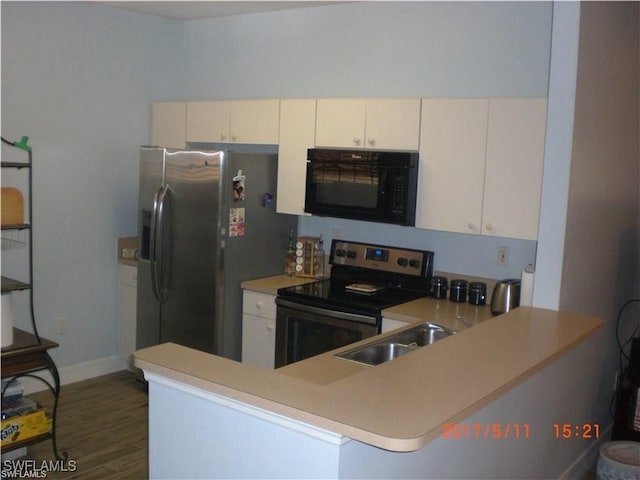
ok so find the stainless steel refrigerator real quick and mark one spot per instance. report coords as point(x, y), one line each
point(207, 222)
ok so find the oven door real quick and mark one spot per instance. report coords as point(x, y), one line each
point(303, 331)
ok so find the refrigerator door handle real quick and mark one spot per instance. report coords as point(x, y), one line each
point(156, 246)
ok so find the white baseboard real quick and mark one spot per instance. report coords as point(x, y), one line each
point(76, 373)
point(589, 458)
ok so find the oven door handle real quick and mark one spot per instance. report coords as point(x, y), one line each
point(354, 317)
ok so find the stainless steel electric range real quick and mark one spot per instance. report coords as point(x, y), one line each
point(365, 279)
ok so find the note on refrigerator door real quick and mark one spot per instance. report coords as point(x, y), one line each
point(236, 222)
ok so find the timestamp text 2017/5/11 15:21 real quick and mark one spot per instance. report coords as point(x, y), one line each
point(498, 431)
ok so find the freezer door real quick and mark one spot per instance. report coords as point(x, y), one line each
point(188, 268)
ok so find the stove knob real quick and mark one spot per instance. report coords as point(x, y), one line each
point(352, 254)
point(403, 262)
point(414, 263)
point(340, 253)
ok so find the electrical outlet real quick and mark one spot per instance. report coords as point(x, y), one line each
point(503, 256)
point(62, 326)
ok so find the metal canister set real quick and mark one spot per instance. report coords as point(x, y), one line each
point(460, 290)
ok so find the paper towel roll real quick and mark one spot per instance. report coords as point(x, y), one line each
point(7, 319)
point(526, 287)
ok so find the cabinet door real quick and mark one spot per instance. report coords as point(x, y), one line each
point(513, 179)
point(452, 164)
point(258, 329)
point(393, 123)
point(389, 324)
point(259, 304)
point(169, 124)
point(340, 122)
point(255, 121)
point(208, 121)
point(127, 293)
point(258, 341)
point(297, 134)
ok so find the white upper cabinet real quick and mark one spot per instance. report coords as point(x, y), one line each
point(340, 122)
point(168, 124)
point(452, 162)
point(380, 123)
point(297, 134)
point(234, 121)
point(255, 121)
point(393, 123)
point(481, 166)
point(515, 155)
point(208, 121)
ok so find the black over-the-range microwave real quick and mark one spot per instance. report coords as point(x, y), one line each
point(375, 186)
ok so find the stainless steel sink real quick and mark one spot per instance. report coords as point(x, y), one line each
point(396, 345)
point(377, 353)
point(422, 335)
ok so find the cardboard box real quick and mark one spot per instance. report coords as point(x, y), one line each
point(17, 429)
point(12, 206)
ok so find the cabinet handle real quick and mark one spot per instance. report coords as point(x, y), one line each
point(356, 140)
point(259, 304)
point(472, 226)
point(234, 137)
point(223, 136)
point(270, 328)
point(489, 227)
point(371, 142)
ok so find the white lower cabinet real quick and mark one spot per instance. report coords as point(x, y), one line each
point(258, 329)
point(389, 324)
point(127, 298)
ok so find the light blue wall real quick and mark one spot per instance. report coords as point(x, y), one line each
point(474, 255)
point(377, 49)
point(78, 79)
point(383, 49)
point(559, 142)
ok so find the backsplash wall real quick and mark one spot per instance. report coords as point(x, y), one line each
point(473, 255)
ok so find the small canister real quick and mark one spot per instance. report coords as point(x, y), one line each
point(439, 287)
point(477, 293)
point(458, 291)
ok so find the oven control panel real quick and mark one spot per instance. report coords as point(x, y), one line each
point(378, 257)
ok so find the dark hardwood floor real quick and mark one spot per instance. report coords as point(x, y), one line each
point(102, 425)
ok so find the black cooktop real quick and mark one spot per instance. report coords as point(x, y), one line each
point(328, 294)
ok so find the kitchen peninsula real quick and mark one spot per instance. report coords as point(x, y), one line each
point(478, 404)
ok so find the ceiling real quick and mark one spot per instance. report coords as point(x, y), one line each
point(192, 10)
